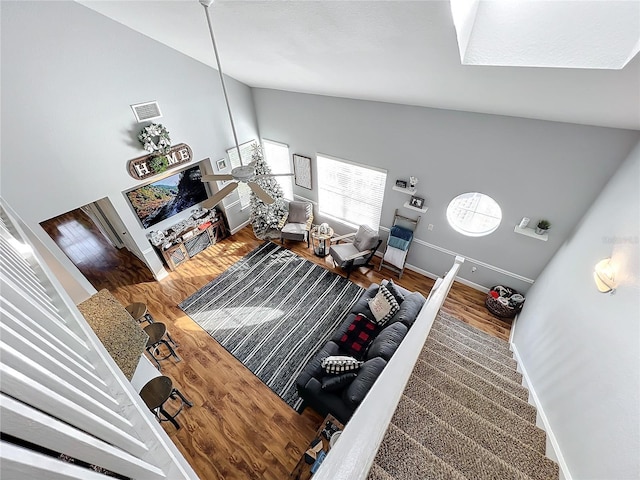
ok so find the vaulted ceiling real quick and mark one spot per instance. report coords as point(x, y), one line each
point(391, 51)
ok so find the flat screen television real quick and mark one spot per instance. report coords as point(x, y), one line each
point(162, 199)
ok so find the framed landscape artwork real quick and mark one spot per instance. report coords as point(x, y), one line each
point(302, 170)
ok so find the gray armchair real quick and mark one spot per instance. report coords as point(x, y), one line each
point(296, 225)
point(358, 252)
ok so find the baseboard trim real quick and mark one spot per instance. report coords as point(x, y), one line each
point(473, 285)
point(162, 274)
point(545, 421)
point(240, 227)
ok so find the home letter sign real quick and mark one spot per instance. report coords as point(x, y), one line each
point(153, 164)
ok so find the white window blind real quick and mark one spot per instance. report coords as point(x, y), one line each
point(349, 191)
point(277, 157)
point(246, 149)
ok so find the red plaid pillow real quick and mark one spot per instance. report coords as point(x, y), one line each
point(358, 336)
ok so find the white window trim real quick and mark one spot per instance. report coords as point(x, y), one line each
point(474, 211)
point(289, 165)
point(361, 165)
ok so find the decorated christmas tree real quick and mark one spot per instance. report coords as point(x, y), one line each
point(266, 218)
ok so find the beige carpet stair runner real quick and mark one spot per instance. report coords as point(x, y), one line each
point(464, 414)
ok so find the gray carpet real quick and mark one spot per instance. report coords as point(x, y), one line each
point(273, 311)
point(463, 414)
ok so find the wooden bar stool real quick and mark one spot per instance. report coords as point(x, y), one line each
point(139, 312)
point(156, 392)
point(158, 336)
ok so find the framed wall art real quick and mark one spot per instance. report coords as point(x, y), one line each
point(221, 164)
point(417, 202)
point(302, 171)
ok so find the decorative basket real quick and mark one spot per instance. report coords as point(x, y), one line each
point(499, 301)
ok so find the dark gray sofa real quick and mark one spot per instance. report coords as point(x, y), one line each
point(341, 404)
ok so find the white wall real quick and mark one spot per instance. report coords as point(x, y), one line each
point(68, 77)
point(532, 168)
point(581, 348)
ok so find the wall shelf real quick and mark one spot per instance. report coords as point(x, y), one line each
point(407, 191)
point(530, 232)
point(411, 207)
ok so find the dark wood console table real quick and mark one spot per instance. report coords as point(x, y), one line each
point(192, 242)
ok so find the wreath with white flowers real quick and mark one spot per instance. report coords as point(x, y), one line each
point(155, 139)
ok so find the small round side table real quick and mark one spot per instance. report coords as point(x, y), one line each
point(319, 240)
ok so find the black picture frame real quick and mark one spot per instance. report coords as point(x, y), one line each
point(417, 202)
point(401, 183)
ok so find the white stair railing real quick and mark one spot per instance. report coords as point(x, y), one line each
point(352, 457)
point(61, 392)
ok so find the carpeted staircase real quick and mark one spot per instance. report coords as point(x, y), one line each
point(464, 414)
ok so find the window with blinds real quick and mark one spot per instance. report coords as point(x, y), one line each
point(350, 192)
point(246, 150)
point(277, 156)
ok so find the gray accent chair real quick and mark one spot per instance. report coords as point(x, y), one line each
point(297, 223)
point(356, 253)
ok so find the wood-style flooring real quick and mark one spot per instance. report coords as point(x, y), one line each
point(238, 428)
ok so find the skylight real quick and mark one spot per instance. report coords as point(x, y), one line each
point(594, 34)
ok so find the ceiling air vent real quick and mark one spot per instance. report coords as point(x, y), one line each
point(146, 111)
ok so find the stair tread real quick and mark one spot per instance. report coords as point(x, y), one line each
point(479, 357)
point(497, 441)
point(500, 355)
point(451, 446)
point(464, 414)
point(403, 458)
point(457, 323)
point(501, 397)
point(446, 355)
point(525, 431)
point(378, 473)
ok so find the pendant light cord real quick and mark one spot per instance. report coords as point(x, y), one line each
point(224, 87)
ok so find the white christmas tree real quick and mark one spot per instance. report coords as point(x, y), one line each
point(265, 218)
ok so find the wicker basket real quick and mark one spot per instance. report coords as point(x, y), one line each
point(498, 308)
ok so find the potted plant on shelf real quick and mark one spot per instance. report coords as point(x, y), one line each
point(542, 227)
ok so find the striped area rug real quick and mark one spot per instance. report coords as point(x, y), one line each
point(273, 310)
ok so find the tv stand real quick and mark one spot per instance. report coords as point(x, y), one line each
point(189, 239)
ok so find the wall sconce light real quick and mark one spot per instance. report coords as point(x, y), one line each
point(603, 276)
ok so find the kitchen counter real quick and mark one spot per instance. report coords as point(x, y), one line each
point(120, 334)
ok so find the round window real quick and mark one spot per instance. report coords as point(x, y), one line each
point(474, 214)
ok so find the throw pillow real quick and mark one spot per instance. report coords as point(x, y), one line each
point(358, 336)
point(383, 306)
point(394, 291)
point(334, 384)
point(299, 212)
point(366, 238)
point(340, 364)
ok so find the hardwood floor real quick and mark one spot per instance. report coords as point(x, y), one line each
point(238, 428)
